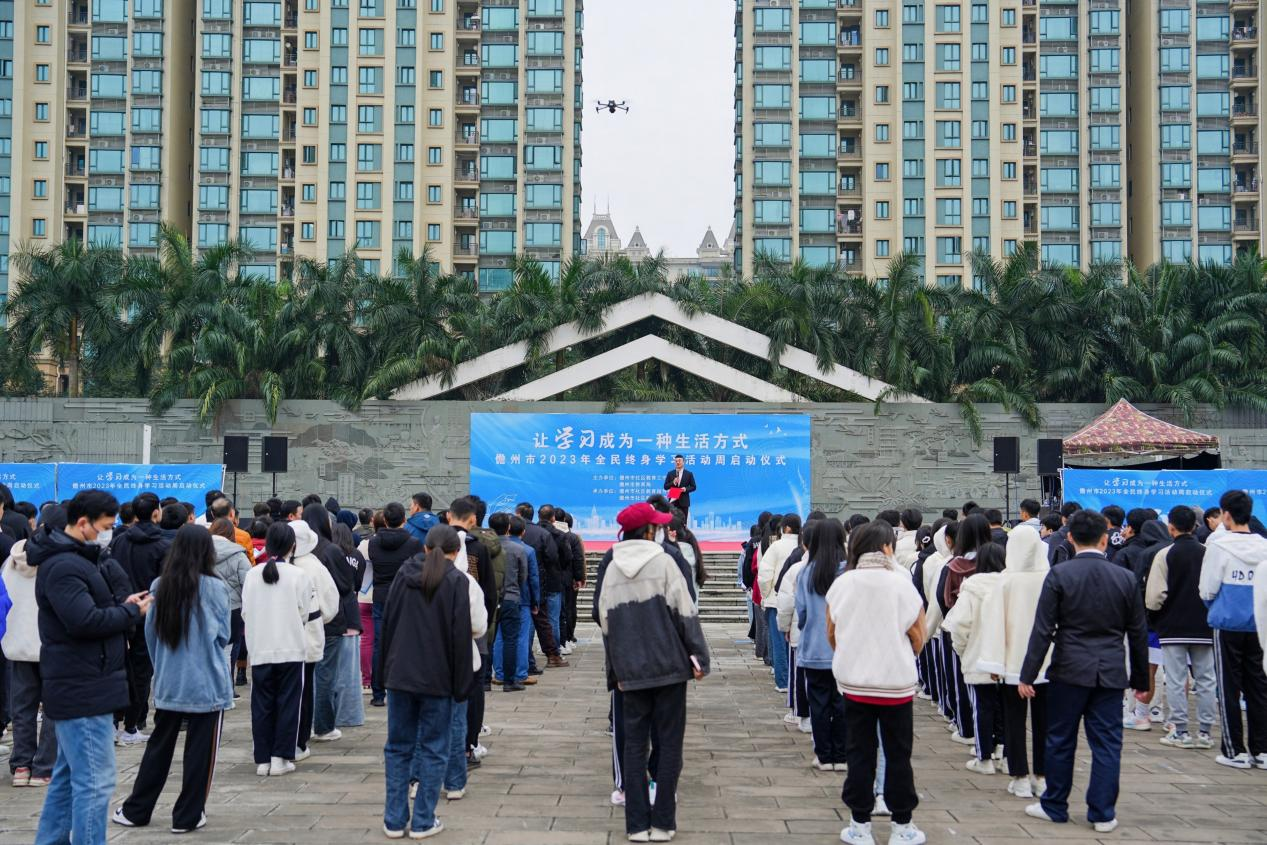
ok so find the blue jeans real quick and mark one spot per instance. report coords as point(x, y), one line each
point(506, 644)
point(455, 772)
point(77, 803)
point(376, 686)
point(554, 607)
point(418, 728)
point(778, 647)
point(349, 711)
point(1101, 710)
point(326, 686)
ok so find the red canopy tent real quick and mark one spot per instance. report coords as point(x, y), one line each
point(1126, 434)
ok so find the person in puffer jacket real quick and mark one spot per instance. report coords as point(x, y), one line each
point(1007, 621)
point(654, 644)
point(34, 744)
point(1233, 557)
point(967, 625)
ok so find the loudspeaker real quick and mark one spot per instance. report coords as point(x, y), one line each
point(1007, 454)
point(274, 456)
point(235, 449)
point(1051, 454)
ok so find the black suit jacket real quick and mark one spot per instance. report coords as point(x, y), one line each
point(1090, 606)
point(688, 486)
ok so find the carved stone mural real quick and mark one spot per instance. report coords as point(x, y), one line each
point(865, 459)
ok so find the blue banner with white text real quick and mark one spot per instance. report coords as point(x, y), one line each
point(186, 482)
point(1162, 489)
point(34, 483)
point(592, 465)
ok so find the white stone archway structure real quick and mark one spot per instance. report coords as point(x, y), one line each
point(652, 346)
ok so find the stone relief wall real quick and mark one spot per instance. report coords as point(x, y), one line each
point(865, 459)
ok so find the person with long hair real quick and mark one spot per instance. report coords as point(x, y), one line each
point(772, 560)
point(428, 602)
point(875, 626)
point(1007, 621)
point(187, 634)
point(785, 605)
point(279, 603)
point(328, 670)
point(349, 708)
point(970, 535)
point(232, 565)
point(328, 604)
point(966, 624)
point(809, 582)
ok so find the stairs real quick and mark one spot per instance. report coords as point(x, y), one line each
point(719, 601)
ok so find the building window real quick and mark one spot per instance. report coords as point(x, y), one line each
point(882, 210)
point(437, 41)
point(41, 35)
point(39, 227)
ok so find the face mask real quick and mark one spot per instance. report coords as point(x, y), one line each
point(104, 537)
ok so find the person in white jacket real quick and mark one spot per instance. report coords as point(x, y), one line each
point(768, 568)
point(906, 550)
point(1008, 619)
point(1260, 615)
point(945, 693)
point(328, 603)
point(966, 623)
point(279, 601)
point(34, 745)
point(785, 606)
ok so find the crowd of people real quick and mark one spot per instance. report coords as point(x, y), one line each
point(107, 608)
point(1019, 637)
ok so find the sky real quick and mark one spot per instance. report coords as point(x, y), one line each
point(667, 166)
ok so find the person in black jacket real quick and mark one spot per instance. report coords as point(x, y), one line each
point(462, 513)
point(682, 479)
point(326, 676)
point(388, 549)
point(12, 523)
point(574, 585)
point(140, 551)
point(555, 582)
point(428, 603)
point(1148, 536)
point(1177, 614)
point(1090, 608)
point(83, 628)
point(547, 552)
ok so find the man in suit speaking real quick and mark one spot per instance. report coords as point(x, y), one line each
point(681, 479)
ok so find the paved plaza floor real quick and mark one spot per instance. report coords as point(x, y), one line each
point(747, 779)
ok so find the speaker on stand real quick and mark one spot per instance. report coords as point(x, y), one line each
point(273, 459)
point(236, 447)
point(1007, 460)
point(1051, 459)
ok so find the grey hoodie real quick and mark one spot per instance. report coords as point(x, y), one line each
point(232, 566)
point(651, 628)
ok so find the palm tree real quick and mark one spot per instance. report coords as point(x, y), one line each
point(61, 303)
point(324, 311)
point(247, 351)
point(167, 300)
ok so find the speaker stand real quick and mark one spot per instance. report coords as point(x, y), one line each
point(235, 492)
point(274, 485)
point(1007, 495)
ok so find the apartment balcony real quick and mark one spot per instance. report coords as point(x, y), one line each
point(77, 15)
point(468, 100)
point(1245, 33)
point(77, 92)
point(1030, 149)
point(849, 114)
point(291, 22)
point(76, 129)
point(468, 28)
point(850, 186)
point(1245, 227)
point(77, 54)
point(1250, 187)
point(849, 4)
point(850, 75)
point(851, 39)
point(76, 208)
point(287, 211)
point(1242, 74)
point(1245, 113)
point(76, 170)
point(468, 64)
point(289, 95)
point(852, 264)
point(849, 228)
point(466, 174)
point(290, 60)
point(466, 251)
point(1246, 150)
point(1029, 36)
point(467, 216)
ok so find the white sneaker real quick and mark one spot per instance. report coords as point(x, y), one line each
point(906, 834)
point(780, 689)
point(1020, 787)
point(393, 834)
point(262, 770)
point(455, 794)
point(1137, 723)
point(618, 798)
point(1106, 827)
point(658, 835)
point(1155, 715)
point(134, 738)
point(301, 754)
point(120, 819)
point(791, 718)
point(328, 737)
point(1036, 811)
point(961, 739)
point(435, 829)
point(202, 822)
point(640, 836)
point(998, 753)
point(923, 696)
point(480, 752)
point(841, 767)
point(1178, 740)
point(1204, 740)
point(1240, 761)
point(413, 790)
point(805, 726)
point(1260, 761)
point(1040, 785)
point(880, 809)
point(485, 730)
point(823, 767)
point(280, 767)
point(981, 767)
point(858, 833)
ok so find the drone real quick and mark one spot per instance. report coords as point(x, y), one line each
point(611, 106)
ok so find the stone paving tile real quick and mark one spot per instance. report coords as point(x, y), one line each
point(747, 780)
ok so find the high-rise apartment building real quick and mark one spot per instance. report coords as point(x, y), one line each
point(297, 126)
point(1101, 132)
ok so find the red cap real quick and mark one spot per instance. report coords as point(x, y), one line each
point(641, 515)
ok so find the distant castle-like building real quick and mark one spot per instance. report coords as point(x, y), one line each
point(602, 241)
